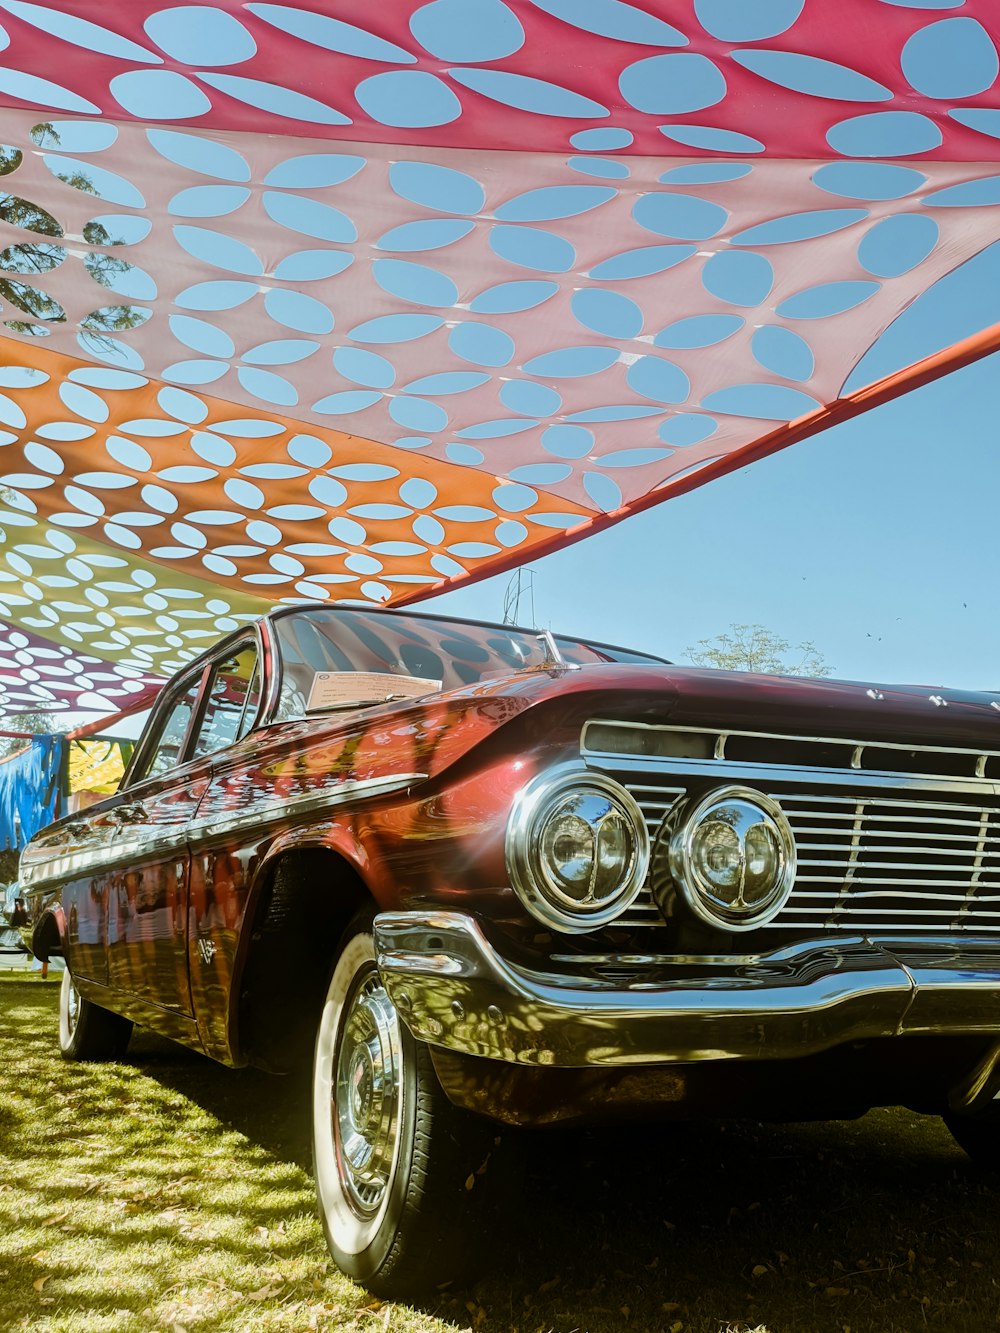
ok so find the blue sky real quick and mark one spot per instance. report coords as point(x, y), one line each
point(876, 539)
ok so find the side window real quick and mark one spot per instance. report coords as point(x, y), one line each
point(168, 747)
point(233, 698)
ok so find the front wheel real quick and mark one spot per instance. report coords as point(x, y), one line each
point(405, 1180)
point(86, 1031)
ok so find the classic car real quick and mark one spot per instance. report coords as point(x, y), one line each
point(484, 877)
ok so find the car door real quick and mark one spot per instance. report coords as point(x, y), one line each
point(218, 865)
point(148, 889)
point(151, 904)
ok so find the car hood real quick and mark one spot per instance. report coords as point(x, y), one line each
point(424, 736)
point(739, 700)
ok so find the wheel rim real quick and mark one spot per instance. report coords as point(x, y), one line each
point(72, 1005)
point(367, 1095)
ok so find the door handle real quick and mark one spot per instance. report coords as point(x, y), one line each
point(79, 828)
point(129, 814)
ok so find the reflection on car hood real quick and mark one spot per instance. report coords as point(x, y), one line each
point(699, 696)
point(428, 734)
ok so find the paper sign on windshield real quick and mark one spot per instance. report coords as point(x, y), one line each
point(334, 689)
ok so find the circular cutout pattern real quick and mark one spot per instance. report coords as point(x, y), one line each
point(487, 320)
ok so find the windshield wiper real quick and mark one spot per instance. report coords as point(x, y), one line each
point(361, 703)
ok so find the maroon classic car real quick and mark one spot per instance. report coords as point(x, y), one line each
point(484, 876)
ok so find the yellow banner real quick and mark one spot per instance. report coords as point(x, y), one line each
point(97, 765)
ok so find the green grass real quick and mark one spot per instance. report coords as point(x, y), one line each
point(169, 1193)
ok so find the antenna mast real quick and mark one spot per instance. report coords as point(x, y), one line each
point(520, 588)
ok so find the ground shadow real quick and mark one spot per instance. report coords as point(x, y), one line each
point(271, 1110)
point(877, 1224)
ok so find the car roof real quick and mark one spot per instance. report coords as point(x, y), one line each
point(282, 611)
point(279, 612)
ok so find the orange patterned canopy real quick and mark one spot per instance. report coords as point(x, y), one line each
point(314, 301)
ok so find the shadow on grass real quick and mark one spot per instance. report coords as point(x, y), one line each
point(271, 1111)
point(878, 1224)
point(120, 1183)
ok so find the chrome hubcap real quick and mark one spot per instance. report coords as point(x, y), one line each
point(367, 1094)
point(72, 1006)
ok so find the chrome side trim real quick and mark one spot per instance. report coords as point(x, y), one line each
point(167, 1022)
point(124, 848)
point(745, 770)
point(305, 803)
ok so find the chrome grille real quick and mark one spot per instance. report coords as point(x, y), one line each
point(654, 800)
point(877, 851)
point(871, 863)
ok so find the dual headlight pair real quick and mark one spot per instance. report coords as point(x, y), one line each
point(578, 853)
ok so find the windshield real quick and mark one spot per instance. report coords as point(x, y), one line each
point(379, 655)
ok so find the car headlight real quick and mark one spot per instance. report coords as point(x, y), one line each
point(732, 856)
point(577, 849)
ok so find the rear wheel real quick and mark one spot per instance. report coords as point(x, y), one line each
point(86, 1031)
point(406, 1182)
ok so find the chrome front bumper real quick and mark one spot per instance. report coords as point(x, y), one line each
point(453, 989)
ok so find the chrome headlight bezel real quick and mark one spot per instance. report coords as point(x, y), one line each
point(534, 805)
point(696, 893)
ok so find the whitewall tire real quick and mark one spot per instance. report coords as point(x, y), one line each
point(86, 1031)
point(402, 1176)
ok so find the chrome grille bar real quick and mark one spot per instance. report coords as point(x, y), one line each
point(865, 865)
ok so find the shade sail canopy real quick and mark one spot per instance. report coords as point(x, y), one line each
point(326, 300)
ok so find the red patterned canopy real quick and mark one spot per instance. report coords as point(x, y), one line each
point(316, 300)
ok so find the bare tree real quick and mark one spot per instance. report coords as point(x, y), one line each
point(754, 648)
point(36, 257)
point(38, 724)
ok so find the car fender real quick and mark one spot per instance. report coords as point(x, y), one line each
point(48, 934)
point(334, 835)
